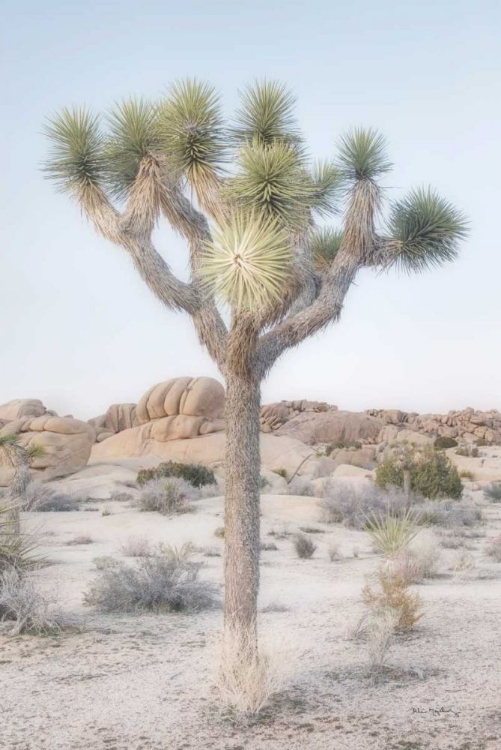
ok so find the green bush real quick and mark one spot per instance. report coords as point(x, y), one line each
point(442, 443)
point(432, 474)
point(342, 444)
point(195, 474)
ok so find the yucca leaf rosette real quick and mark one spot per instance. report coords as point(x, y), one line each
point(248, 262)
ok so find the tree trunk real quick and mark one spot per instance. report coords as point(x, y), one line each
point(242, 490)
point(17, 491)
point(407, 483)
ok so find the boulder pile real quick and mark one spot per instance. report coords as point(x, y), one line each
point(468, 424)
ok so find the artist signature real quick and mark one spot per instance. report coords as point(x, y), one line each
point(435, 711)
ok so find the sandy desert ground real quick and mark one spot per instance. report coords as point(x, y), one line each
point(144, 682)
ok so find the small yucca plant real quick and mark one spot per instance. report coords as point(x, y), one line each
point(390, 534)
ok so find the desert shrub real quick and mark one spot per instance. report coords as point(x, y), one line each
point(481, 442)
point(392, 595)
point(389, 533)
point(304, 546)
point(418, 562)
point(466, 474)
point(159, 584)
point(311, 530)
point(333, 551)
point(432, 474)
point(104, 561)
point(219, 532)
point(41, 498)
point(300, 486)
point(463, 565)
point(80, 539)
point(167, 496)
point(136, 546)
point(493, 492)
point(468, 451)
point(121, 497)
point(246, 686)
point(280, 532)
point(268, 547)
point(341, 444)
point(212, 490)
point(443, 443)
point(379, 627)
point(449, 514)
point(263, 482)
point(349, 504)
point(22, 603)
point(17, 550)
point(106, 511)
point(196, 474)
point(494, 548)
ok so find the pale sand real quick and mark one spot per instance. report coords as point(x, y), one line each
point(144, 682)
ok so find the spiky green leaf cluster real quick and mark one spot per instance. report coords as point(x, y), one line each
point(273, 181)
point(424, 231)
point(248, 262)
point(9, 439)
point(325, 245)
point(191, 133)
point(76, 161)
point(362, 155)
point(266, 115)
point(132, 136)
point(327, 187)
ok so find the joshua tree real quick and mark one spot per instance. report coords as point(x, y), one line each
point(20, 459)
point(245, 197)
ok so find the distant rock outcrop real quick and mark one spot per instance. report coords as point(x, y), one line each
point(177, 409)
point(468, 424)
point(67, 442)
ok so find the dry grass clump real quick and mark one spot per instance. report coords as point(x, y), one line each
point(464, 565)
point(17, 550)
point(43, 499)
point(22, 603)
point(304, 546)
point(167, 496)
point(80, 539)
point(245, 686)
point(494, 548)
point(449, 514)
point(380, 629)
point(161, 583)
point(418, 562)
point(392, 595)
point(136, 546)
point(219, 532)
point(350, 504)
point(280, 532)
point(493, 492)
point(333, 551)
point(118, 496)
point(391, 534)
point(268, 547)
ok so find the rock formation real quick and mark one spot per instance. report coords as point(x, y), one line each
point(67, 442)
point(467, 424)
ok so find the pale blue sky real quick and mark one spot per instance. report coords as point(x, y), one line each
point(80, 331)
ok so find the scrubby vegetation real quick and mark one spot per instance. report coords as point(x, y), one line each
point(17, 550)
point(304, 546)
point(41, 498)
point(493, 492)
point(467, 451)
point(167, 496)
point(300, 486)
point(136, 546)
point(389, 533)
point(160, 583)
point(431, 473)
point(196, 474)
point(494, 548)
point(24, 605)
point(418, 562)
point(392, 595)
point(443, 443)
point(340, 444)
point(350, 504)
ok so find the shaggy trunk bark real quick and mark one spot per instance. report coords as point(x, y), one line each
point(242, 492)
point(17, 492)
point(407, 483)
